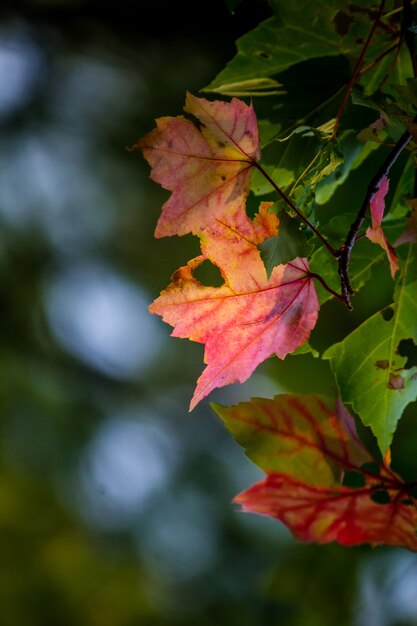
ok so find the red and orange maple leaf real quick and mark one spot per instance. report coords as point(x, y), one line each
point(249, 317)
point(375, 232)
point(207, 166)
point(309, 449)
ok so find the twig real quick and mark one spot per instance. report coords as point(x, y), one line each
point(292, 206)
point(392, 65)
point(326, 286)
point(356, 70)
point(379, 58)
point(344, 253)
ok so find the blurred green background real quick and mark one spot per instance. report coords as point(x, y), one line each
point(114, 500)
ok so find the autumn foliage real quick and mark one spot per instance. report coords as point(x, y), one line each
point(310, 452)
point(320, 479)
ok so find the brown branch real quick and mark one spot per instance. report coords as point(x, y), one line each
point(379, 58)
point(326, 286)
point(344, 253)
point(392, 65)
point(356, 70)
point(294, 208)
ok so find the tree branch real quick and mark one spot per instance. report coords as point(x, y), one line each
point(344, 252)
point(356, 70)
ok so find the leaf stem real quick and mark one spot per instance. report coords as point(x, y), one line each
point(356, 70)
point(379, 58)
point(398, 10)
point(326, 286)
point(392, 65)
point(292, 206)
point(305, 118)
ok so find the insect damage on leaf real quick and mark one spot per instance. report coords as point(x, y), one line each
point(249, 317)
point(308, 447)
point(207, 166)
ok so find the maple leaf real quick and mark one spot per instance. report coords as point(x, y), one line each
point(249, 317)
point(371, 373)
point(309, 449)
point(207, 168)
point(375, 233)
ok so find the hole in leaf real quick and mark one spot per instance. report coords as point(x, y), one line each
point(395, 382)
point(408, 348)
point(407, 501)
point(413, 492)
point(381, 497)
point(264, 55)
point(353, 479)
point(387, 313)
point(192, 118)
point(208, 274)
point(342, 22)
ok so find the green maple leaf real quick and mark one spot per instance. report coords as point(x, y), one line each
point(370, 372)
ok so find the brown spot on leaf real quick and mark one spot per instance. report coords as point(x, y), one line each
point(396, 382)
point(264, 55)
point(382, 365)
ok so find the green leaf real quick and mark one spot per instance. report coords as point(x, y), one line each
point(362, 262)
point(253, 87)
point(371, 373)
point(354, 153)
point(311, 101)
point(285, 161)
point(298, 436)
point(408, 92)
point(287, 245)
point(403, 190)
point(299, 31)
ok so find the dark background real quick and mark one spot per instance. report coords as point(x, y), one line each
point(114, 500)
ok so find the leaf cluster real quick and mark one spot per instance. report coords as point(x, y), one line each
point(272, 198)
